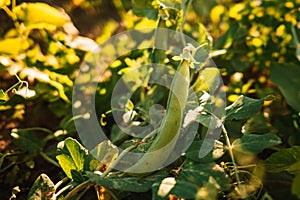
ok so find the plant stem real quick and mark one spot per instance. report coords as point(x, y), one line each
point(78, 188)
point(62, 190)
point(13, 4)
point(48, 159)
point(183, 21)
point(236, 171)
point(124, 152)
point(112, 194)
point(13, 17)
point(56, 186)
point(38, 129)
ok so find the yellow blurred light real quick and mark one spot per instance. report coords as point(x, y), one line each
point(146, 23)
point(275, 54)
point(216, 13)
point(260, 13)
point(115, 64)
point(266, 30)
point(281, 59)
point(232, 97)
point(254, 32)
point(169, 23)
point(289, 4)
point(271, 11)
point(237, 90)
point(259, 51)
point(262, 79)
point(257, 42)
point(251, 17)
point(236, 77)
point(290, 18)
point(267, 103)
point(234, 12)
point(268, 63)
point(102, 91)
point(283, 51)
point(280, 30)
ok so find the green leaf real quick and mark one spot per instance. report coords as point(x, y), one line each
point(226, 40)
point(27, 141)
point(150, 13)
point(243, 108)
point(294, 168)
point(283, 159)
point(4, 3)
point(131, 184)
point(194, 150)
point(172, 4)
point(3, 97)
point(185, 189)
point(144, 8)
point(296, 42)
point(77, 176)
point(286, 77)
point(196, 176)
point(72, 156)
point(253, 144)
point(296, 185)
point(43, 188)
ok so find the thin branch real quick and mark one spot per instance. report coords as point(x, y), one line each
point(77, 189)
point(230, 147)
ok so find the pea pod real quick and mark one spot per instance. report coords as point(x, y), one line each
point(164, 143)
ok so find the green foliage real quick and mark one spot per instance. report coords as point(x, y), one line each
point(72, 157)
point(255, 45)
point(243, 108)
point(125, 183)
point(252, 143)
point(285, 76)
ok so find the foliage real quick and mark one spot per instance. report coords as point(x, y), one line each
point(255, 45)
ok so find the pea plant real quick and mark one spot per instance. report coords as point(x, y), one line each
point(45, 56)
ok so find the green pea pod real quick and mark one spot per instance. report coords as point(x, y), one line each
point(164, 143)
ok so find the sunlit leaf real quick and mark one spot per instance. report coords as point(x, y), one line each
point(33, 13)
point(296, 185)
point(3, 97)
point(166, 186)
point(243, 108)
point(43, 188)
point(72, 156)
point(286, 77)
point(14, 46)
point(253, 143)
